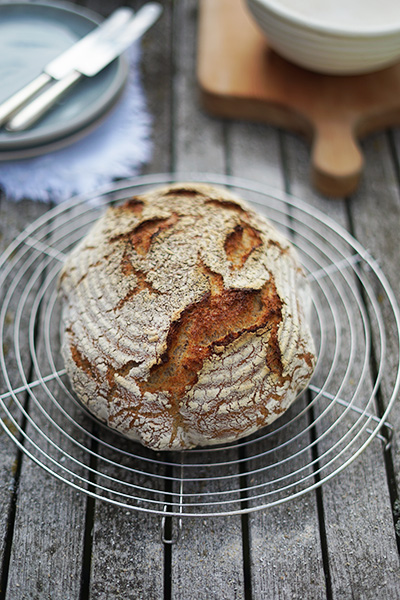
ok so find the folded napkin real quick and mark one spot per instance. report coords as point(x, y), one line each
point(117, 148)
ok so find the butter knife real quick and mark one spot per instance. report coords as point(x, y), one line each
point(65, 62)
point(91, 63)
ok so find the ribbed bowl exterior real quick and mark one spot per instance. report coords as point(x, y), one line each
point(333, 52)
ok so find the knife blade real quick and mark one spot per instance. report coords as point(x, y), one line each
point(64, 63)
point(93, 62)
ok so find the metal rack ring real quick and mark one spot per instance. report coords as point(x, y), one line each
point(327, 428)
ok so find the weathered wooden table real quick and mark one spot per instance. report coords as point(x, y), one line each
point(340, 540)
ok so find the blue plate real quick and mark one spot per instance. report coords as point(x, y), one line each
point(31, 35)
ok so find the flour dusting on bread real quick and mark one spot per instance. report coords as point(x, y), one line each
point(184, 318)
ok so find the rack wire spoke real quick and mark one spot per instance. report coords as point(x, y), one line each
point(33, 384)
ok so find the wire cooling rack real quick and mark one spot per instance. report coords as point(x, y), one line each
point(345, 407)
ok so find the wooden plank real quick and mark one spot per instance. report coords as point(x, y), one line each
point(285, 549)
point(375, 213)
point(8, 451)
point(10, 224)
point(47, 545)
point(198, 141)
point(14, 217)
point(358, 518)
point(49, 520)
point(127, 554)
point(156, 74)
point(376, 220)
point(207, 560)
point(214, 565)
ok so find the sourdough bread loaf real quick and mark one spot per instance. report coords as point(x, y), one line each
point(184, 319)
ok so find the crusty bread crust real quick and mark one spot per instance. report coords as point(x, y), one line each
point(184, 319)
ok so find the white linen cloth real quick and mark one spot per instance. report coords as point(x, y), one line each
point(117, 148)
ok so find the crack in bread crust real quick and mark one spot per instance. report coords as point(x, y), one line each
point(214, 322)
point(134, 204)
point(227, 205)
point(240, 243)
point(142, 236)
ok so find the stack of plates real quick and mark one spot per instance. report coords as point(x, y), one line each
point(32, 34)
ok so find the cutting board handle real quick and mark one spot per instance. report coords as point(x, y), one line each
point(336, 158)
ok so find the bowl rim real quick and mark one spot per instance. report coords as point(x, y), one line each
point(283, 12)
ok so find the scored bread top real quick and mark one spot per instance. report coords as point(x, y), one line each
point(184, 318)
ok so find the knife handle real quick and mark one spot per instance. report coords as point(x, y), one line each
point(17, 100)
point(32, 112)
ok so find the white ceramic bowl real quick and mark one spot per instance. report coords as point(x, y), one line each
point(335, 37)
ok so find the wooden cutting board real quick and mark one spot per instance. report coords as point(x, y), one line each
point(240, 77)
